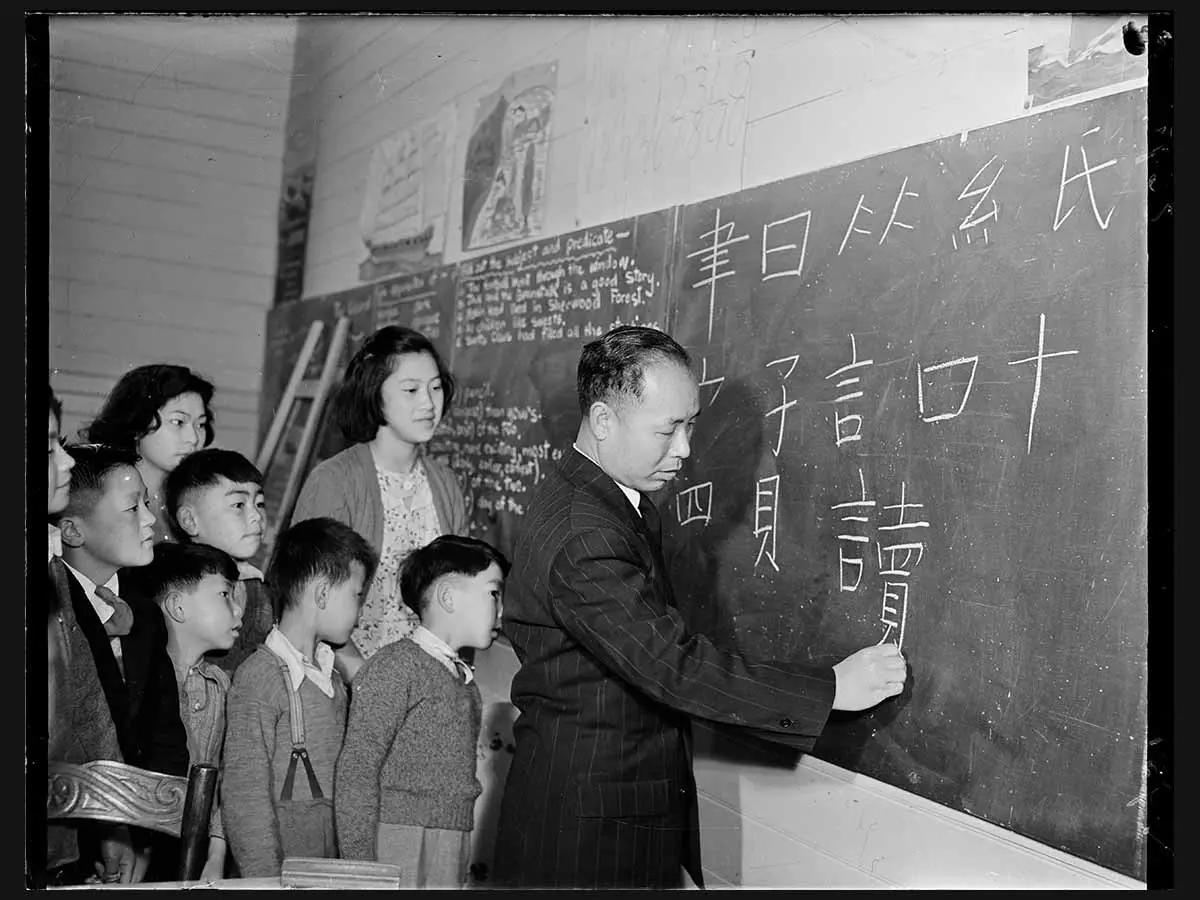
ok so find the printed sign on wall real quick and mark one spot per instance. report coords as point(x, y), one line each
point(504, 183)
point(403, 217)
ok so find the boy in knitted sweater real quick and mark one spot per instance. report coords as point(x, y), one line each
point(287, 708)
point(405, 784)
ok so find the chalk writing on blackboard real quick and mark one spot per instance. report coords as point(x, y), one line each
point(766, 518)
point(839, 420)
point(786, 404)
point(855, 561)
point(705, 381)
point(715, 257)
point(535, 293)
point(970, 220)
point(1087, 174)
point(487, 443)
point(1037, 380)
point(779, 248)
point(895, 593)
point(694, 504)
point(945, 367)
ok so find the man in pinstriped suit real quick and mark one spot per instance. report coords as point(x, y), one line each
point(600, 792)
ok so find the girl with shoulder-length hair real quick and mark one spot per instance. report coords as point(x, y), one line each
point(162, 412)
point(395, 393)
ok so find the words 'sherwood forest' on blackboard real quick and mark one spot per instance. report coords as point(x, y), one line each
point(924, 419)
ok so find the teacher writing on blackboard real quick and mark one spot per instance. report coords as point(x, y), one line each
point(600, 792)
point(394, 395)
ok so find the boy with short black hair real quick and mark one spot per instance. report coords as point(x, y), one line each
point(287, 707)
point(106, 528)
point(406, 780)
point(193, 586)
point(215, 497)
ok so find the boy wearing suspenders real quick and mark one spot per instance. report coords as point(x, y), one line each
point(287, 708)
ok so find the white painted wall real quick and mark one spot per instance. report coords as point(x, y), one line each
point(772, 98)
point(166, 145)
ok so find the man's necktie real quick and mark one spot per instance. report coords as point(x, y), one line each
point(121, 620)
point(650, 515)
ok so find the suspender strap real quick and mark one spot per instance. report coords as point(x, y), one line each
point(299, 751)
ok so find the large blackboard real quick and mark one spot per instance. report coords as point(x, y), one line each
point(521, 316)
point(924, 420)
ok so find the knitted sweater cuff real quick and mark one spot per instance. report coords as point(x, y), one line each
point(452, 814)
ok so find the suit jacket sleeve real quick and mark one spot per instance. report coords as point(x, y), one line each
point(166, 747)
point(601, 596)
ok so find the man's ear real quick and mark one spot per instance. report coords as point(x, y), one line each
point(186, 517)
point(172, 606)
point(71, 534)
point(600, 419)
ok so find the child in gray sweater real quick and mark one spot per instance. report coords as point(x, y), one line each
point(405, 784)
point(287, 707)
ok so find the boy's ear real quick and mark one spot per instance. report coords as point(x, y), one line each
point(71, 535)
point(186, 517)
point(443, 595)
point(172, 606)
point(321, 587)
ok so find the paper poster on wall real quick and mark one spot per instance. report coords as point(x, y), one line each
point(504, 180)
point(666, 107)
point(403, 218)
point(1079, 53)
point(295, 205)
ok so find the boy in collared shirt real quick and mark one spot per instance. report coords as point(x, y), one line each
point(215, 497)
point(287, 708)
point(406, 780)
point(105, 527)
point(193, 586)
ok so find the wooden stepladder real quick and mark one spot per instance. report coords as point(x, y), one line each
point(315, 390)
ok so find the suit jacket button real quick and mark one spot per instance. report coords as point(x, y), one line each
point(786, 723)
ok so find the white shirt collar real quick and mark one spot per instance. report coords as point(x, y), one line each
point(55, 535)
point(103, 610)
point(247, 572)
point(631, 495)
point(298, 667)
point(442, 652)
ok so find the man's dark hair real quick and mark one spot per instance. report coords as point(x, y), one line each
point(202, 469)
point(449, 554)
point(315, 548)
point(359, 405)
point(93, 463)
point(178, 567)
point(612, 368)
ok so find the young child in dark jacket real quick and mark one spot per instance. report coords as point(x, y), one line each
point(106, 528)
point(406, 779)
